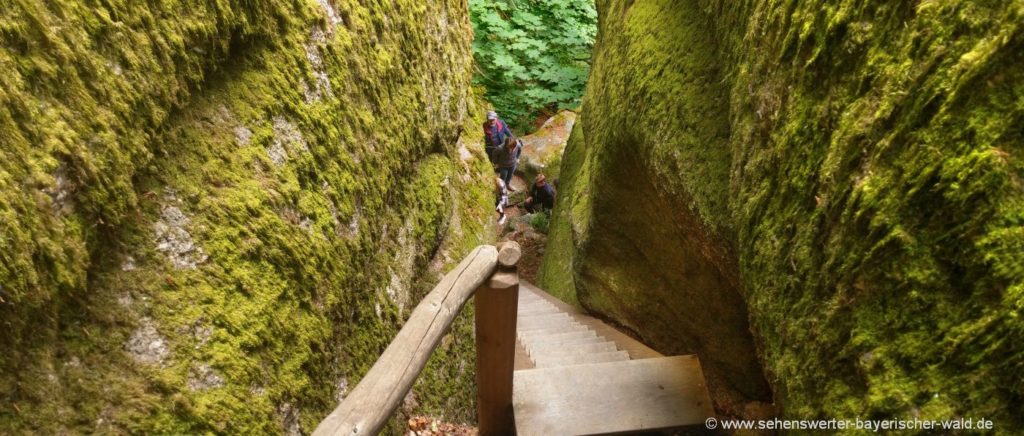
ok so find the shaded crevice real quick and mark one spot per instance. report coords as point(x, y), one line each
point(650, 265)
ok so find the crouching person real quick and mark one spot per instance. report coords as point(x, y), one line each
point(542, 196)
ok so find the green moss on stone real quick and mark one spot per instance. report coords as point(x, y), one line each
point(556, 273)
point(855, 169)
point(230, 209)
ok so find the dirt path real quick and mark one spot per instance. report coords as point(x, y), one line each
point(428, 426)
point(518, 228)
point(519, 184)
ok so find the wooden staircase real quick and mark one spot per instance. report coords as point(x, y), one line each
point(543, 368)
point(576, 375)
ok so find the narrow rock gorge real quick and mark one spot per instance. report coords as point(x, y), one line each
point(215, 215)
point(823, 200)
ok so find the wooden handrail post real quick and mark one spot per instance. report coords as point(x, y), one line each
point(497, 302)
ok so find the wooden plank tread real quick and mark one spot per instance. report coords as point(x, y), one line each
point(571, 350)
point(631, 395)
point(563, 344)
point(551, 327)
point(579, 359)
point(565, 336)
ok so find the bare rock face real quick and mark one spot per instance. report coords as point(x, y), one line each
point(61, 192)
point(203, 377)
point(332, 14)
point(322, 83)
point(243, 135)
point(341, 389)
point(147, 345)
point(290, 419)
point(174, 240)
point(542, 147)
point(288, 141)
point(128, 264)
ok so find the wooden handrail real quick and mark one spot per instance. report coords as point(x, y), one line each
point(367, 408)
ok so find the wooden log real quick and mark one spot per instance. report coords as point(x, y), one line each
point(367, 408)
point(496, 311)
point(509, 253)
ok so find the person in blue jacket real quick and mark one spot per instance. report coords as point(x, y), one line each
point(542, 196)
point(495, 134)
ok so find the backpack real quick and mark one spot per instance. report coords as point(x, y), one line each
point(487, 136)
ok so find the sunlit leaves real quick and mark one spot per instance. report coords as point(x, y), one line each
point(533, 54)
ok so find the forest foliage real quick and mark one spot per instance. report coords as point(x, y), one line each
point(533, 56)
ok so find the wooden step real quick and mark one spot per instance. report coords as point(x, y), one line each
point(562, 337)
point(534, 334)
point(530, 315)
point(631, 395)
point(553, 326)
point(527, 301)
point(572, 350)
point(532, 318)
point(596, 345)
point(551, 320)
point(538, 310)
point(570, 326)
point(528, 336)
point(535, 305)
point(532, 324)
point(579, 359)
point(524, 312)
point(568, 343)
point(546, 316)
point(636, 349)
point(533, 302)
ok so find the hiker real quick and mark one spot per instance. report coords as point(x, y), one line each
point(542, 196)
point(501, 200)
point(507, 158)
point(495, 134)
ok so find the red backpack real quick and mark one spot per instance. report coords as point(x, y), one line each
point(500, 126)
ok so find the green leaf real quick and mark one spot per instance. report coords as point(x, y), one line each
point(529, 53)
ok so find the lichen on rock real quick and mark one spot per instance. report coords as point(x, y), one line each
point(174, 240)
point(203, 377)
point(147, 345)
point(288, 141)
point(542, 149)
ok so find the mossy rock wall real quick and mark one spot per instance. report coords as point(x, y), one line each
point(847, 176)
point(216, 215)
